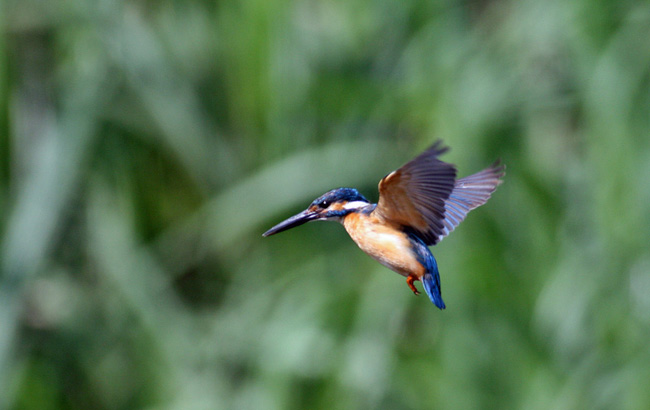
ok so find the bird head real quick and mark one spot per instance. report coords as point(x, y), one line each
point(332, 205)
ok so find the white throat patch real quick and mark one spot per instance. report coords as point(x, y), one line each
point(355, 205)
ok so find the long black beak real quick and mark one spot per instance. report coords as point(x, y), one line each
point(296, 220)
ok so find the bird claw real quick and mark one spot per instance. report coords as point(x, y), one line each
point(409, 281)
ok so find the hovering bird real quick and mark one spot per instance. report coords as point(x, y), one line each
point(419, 204)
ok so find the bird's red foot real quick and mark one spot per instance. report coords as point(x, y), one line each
point(409, 281)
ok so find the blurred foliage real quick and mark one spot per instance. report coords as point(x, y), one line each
point(145, 146)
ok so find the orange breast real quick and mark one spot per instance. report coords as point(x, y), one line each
point(385, 243)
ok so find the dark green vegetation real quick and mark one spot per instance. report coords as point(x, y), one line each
point(146, 145)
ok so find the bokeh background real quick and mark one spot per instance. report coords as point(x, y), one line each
point(146, 145)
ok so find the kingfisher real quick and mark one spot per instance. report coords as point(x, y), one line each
point(419, 204)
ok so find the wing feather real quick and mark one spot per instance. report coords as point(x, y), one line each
point(423, 196)
point(468, 193)
point(414, 195)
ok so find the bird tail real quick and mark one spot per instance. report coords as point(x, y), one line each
point(431, 282)
point(431, 277)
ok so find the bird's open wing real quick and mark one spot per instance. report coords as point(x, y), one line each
point(468, 193)
point(414, 196)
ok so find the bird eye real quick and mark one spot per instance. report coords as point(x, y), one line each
point(324, 204)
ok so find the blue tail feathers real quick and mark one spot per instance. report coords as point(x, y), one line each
point(431, 282)
point(431, 279)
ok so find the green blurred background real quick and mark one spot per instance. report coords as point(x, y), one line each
point(146, 145)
